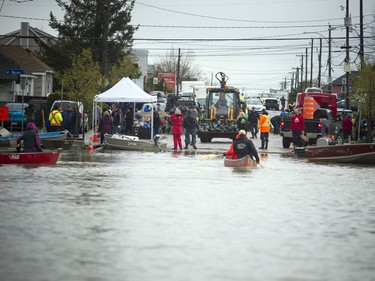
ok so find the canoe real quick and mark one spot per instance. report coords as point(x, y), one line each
point(133, 143)
point(242, 162)
point(45, 157)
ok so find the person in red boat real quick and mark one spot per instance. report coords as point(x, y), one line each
point(230, 152)
point(30, 139)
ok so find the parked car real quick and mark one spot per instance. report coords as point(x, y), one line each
point(313, 90)
point(341, 105)
point(15, 115)
point(73, 105)
point(256, 103)
point(269, 101)
point(146, 107)
point(159, 94)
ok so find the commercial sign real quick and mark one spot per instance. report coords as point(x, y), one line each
point(169, 78)
point(4, 113)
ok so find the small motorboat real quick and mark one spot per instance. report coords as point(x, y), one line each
point(125, 142)
point(239, 163)
point(357, 153)
point(45, 157)
point(9, 140)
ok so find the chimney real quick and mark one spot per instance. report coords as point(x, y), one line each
point(24, 42)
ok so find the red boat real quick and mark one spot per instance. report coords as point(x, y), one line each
point(359, 153)
point(45, 157)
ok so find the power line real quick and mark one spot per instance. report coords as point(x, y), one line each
point(231, 27)
point(182, 40)
point(228, 19)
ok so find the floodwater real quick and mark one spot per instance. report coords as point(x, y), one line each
point(119, 215)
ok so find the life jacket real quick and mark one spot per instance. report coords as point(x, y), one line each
point(29, 139)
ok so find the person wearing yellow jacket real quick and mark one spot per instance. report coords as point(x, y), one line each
point(264, 126)
point(55, 119)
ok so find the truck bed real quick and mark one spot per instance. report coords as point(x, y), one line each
point(322, 123)
point(311, 125)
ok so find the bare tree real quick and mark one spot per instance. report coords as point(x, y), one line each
point(187, 70)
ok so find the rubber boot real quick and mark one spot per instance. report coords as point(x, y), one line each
point(266, 147)
point(262, 147)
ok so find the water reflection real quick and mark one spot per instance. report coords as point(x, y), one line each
point(118, 215)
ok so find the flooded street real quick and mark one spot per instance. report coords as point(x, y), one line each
point(120, 215)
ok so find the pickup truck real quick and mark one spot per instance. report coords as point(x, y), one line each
point(322, 123)
point(15, 115)
point(269, 101)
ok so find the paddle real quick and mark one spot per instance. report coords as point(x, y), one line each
point(44, 130)
point(210, 156)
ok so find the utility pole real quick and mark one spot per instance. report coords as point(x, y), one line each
point(292, 82)
point(296, 80)
point(320, 61)
point(311, 62)
point(306, 69)
point(361, 45)
point(178, 71)
point(329, 61)
point(347, 58)
point(104, 66)
point(301, 70)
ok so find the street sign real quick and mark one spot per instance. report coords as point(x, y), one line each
point(4, 113)
point(14, 71)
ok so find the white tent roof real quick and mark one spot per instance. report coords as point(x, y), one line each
point(125, 91)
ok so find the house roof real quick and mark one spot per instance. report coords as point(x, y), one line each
point(352, 75)
point(13, 38)
point(19, 57)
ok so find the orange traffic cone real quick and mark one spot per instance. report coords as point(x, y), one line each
point(95, 137)
point(90, 148)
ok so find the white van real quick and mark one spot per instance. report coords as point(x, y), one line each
point(63, 105)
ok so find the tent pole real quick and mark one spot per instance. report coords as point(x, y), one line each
point(93, 116)
point(152, 120)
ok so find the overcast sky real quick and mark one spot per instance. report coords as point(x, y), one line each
point(263, 40)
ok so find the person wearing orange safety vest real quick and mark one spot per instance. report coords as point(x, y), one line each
point(55, 118)
point(264, 126)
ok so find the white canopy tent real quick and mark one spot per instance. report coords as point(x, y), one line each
point(126, 91)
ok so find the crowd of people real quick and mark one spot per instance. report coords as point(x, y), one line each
point(120, 119)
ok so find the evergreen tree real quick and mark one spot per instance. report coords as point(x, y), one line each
point(103, 26)
point(126, 67)
point(83, 80)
